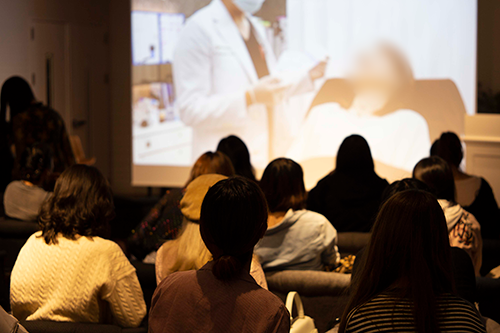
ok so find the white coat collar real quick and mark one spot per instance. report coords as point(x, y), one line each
point(228, 30)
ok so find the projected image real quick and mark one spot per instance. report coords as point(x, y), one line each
point(295, 78)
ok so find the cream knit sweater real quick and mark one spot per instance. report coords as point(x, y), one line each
point(75, 281)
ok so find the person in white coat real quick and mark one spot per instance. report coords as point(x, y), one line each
point(223, 72)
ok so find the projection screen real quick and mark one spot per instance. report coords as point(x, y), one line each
point(396, 72)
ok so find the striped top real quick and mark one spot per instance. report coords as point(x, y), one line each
point(385, 313)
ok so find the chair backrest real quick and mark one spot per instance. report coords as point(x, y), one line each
point(60, 327)
point(308, 283)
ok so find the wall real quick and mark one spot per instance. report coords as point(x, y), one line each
point(488, 54)
point(79, 19)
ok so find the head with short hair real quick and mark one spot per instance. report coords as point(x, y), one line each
point(436, 173)
point(239, 155)
point(81, 205)
point(449, 148)
point(233, 219)
point(36, 161)
point(211, 163)
point(408, 256)
point(17, 95)
point(283, 185)
point(354, 156)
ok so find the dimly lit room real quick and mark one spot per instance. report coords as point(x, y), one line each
point(302, 166)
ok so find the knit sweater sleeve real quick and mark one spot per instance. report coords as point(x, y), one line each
point(127, 301)
point(123, 291)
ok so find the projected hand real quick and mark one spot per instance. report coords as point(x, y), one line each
point(318, 71)
point(268, 91)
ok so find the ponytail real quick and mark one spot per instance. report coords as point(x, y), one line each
point(227, 267)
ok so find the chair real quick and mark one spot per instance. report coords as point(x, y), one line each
point(61, 327)
point(13, 235)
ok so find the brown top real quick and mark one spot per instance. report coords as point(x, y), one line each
point(167, 256)
point(196, 301)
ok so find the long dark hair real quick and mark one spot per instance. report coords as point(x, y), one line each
point(35, 160)
point(436, 173)
point(233, 219)
point(408, 256)
point(283, 185)
point(82, 205)
point(17, 94)
point(239, 155)
point(449, 148)
point(355, 157)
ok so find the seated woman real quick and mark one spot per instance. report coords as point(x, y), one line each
point(296, 238)
point(463, 228)
point(473, 192)
point(405, 283)
point(239, 155)
point(349, 197)
point(188, 251)
point(164, 221)
point(23, 198)
point(463, 270)
point(222, 296)
point(30, 123)
point(66, 272)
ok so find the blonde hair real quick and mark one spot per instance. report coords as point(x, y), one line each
point(192, 254)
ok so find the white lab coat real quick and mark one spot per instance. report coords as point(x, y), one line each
point(212, 70)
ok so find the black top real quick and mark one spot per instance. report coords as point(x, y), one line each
point(349, 201)
point(257, 54)
point(485, 210)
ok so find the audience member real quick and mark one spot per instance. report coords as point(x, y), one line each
point(238, 153)
point(463, 270)
point(164, 220)
point(30, 123)
point(405, 283)
point(222, 296)
point(23, 198)
point(473, 193)
point(463, 228)
point(349, 197)
point(296, 238)
point(66, 272)
point(188, 251)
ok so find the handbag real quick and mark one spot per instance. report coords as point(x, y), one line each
point(301, 323)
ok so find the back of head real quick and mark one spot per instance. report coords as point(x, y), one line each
point(239, 155)
point(449, 148)
point(82, 205)
point(17, 94)
point(408, 256)
point(191, 251)
point(283, 185)
point(354, 157)
point(35, 161)
point(211, 163)
point(436, 173)
point(233, 220)
point(404, 185)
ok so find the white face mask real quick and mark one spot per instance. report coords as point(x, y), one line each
point(249, 6)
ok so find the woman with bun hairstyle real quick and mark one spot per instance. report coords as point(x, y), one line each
point(222, 296)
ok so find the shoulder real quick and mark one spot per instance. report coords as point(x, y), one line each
point(313, 217)
point(460, 309)
point(178, 282)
